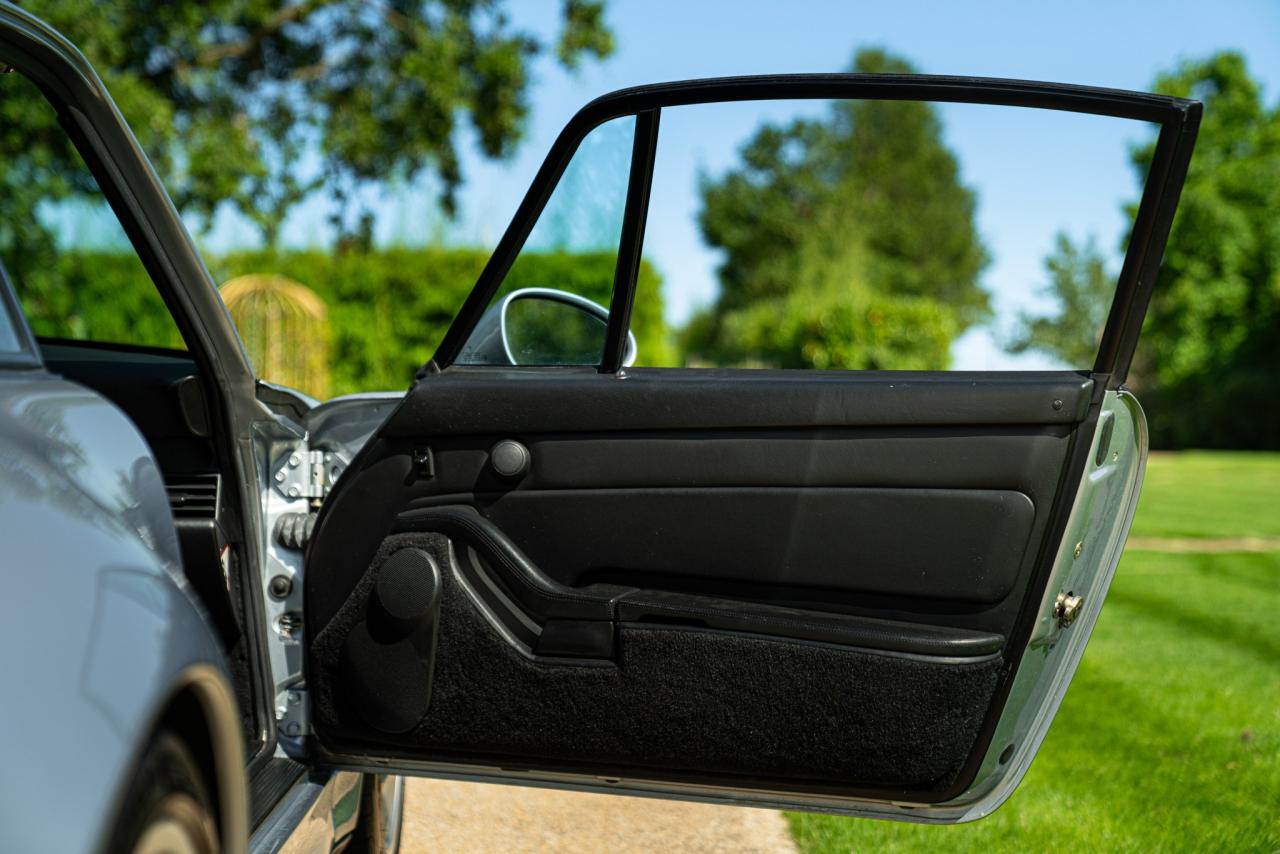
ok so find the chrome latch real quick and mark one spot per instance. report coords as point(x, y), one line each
point(1066, 608)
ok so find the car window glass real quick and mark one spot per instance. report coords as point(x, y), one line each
point(892, 235)
point(75, 272)
point(572, 249)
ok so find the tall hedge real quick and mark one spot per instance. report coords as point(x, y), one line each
point(388, 308)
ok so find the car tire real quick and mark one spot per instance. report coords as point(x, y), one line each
point(168, 807)
point(377, 832)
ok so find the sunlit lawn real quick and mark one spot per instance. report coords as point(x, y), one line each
point(1170, 736)
point(1210, 494)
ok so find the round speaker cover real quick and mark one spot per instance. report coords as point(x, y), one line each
point(406, 591)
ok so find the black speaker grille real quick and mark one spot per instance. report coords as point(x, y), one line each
point(408, 585)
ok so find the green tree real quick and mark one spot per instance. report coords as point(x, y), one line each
point(226, 95)
point(1081, 285)
point(1208, 365)
point(838, 228)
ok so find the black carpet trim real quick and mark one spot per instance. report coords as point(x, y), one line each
point(688, 701)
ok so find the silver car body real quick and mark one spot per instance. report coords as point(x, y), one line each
point(105, 633)
point(100, 629)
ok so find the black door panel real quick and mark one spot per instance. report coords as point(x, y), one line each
point(655, 600)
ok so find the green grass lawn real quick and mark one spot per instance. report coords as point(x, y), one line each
point(1210, 494)
point(1170, 736)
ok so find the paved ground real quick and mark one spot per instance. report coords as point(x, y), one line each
point(442, 816)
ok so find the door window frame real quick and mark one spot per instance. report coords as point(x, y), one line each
point(1178, 120)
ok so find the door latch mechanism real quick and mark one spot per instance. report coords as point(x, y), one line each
point(1066, 608)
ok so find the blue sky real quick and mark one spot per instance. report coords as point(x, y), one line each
point(1076, 166)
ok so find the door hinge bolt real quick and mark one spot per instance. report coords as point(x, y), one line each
point(281, 586)
point(1066, 608)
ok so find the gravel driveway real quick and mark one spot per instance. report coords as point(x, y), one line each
point(441, 815)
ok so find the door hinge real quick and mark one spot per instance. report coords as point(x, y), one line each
point(306, 474)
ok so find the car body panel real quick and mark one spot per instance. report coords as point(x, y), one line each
point(159, 236)
point(105, 631)
point(314, 815)
point(84, 516)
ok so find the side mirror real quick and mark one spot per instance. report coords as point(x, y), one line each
point(541, 326)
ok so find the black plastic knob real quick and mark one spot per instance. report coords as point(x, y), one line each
point(509, 458)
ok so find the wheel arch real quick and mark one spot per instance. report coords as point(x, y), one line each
point(201, 709)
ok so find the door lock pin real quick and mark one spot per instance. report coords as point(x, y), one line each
point(1066, 608)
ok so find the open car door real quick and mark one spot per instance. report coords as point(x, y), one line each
point(854, 591)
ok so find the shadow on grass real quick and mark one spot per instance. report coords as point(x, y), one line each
point(1256, 569)
point(1219, 628)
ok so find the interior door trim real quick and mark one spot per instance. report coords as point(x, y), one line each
point(534, 598)
point(580, 400)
